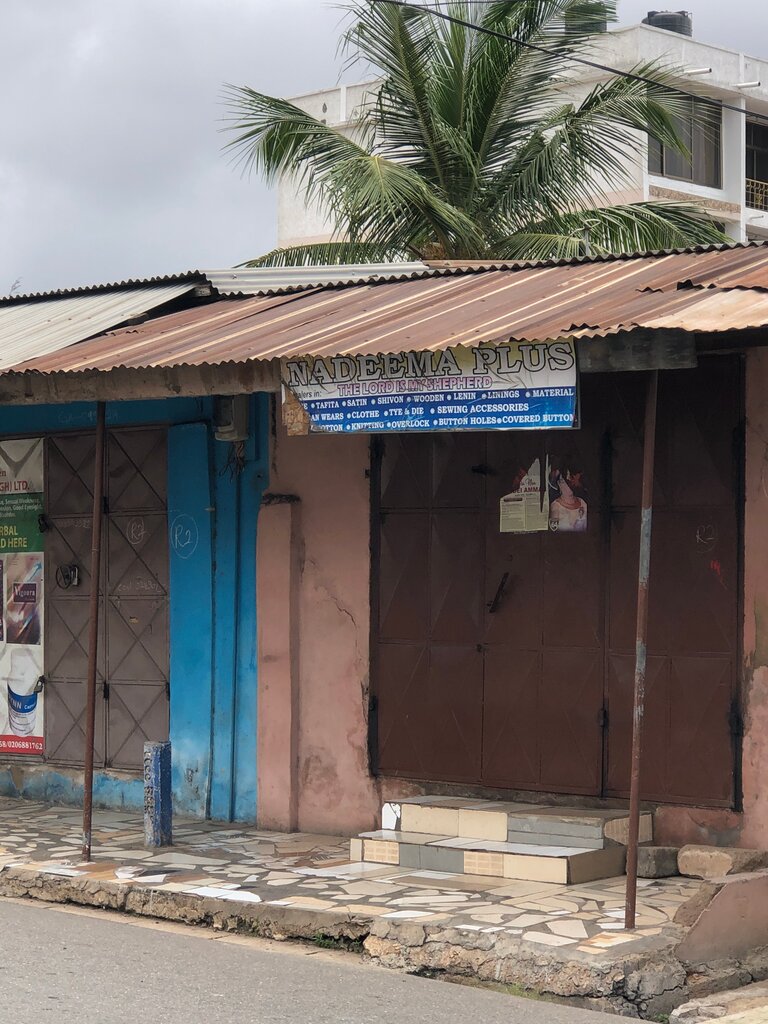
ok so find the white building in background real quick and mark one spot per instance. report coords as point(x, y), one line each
point(728, 170)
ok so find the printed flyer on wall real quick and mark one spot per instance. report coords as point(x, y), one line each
point(526, 508)
point(558, 503)
point(21, 594)
point(513, 386)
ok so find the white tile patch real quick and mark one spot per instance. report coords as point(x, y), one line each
point(225, 894)
point(61, 870)
point(343, 871)
point(545, 851)
point(546, 939)
point(127, 872)
point(404, 915)
point(390, 816)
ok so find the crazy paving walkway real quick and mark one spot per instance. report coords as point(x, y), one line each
point(314, 873)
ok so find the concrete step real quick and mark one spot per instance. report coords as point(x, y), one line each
point(504, 821)
point(562, 865)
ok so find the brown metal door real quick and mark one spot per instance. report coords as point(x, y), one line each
point(497, 656)
point(69, 506)
point(688, 752)
point(543, 623)
point(136, 594)
point(429, 607)
point(489, 653)
point(132, 694)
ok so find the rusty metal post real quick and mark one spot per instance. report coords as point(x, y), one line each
point(641, 646)
point(93, 629)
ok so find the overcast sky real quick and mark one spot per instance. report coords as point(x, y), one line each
point(110, 154)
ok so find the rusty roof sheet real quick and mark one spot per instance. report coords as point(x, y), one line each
point(697, 290)
point(30, 330)
point(244, 280)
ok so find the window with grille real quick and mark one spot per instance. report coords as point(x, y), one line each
point(700, 128)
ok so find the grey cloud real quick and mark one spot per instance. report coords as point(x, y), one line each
point(110, 160)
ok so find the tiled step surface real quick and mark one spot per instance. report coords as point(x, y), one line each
point(520, 823)
point(523, 861)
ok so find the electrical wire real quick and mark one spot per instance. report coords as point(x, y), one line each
point(630, 75)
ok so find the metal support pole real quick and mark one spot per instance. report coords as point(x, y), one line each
point(93, 629)
point(641, 646)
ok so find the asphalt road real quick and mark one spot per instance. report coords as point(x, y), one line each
point(62, 965)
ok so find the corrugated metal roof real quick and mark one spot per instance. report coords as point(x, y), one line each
point(247, 281)
point(30, 330)
point(193, 277)
point(261, 280)
point(691, 290)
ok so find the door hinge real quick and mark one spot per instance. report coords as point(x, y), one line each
point(105, 505)
point(167, 689)
point(735, 720)
point(373, 734)
point(105, 689)
point(602, 717)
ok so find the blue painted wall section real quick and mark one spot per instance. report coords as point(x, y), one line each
point(238, 497)
point(52, 785)
point(212, 521)
point(190, 550)
point(252, 486)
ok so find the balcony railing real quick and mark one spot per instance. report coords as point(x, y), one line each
point(757, 194)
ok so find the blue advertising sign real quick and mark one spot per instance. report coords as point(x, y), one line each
point(513, 386)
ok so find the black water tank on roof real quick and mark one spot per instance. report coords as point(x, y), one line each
point(673, 21)
point(590, 22)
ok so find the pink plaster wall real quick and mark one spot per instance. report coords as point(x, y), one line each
point(335, 791)
point(277, 592)
point(755, 761)
point(329, 476)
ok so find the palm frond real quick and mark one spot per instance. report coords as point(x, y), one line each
point(276, 137)
point(369, 196)
point(401, 43)
point(576, 155)
point(469, 150)
point(632, 227)
point(327, 254)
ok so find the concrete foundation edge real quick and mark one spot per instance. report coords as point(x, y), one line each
point(639, 985)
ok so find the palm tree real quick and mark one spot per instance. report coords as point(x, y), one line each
point(468, 149)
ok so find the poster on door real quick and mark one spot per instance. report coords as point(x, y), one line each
point(525, 509)
point(568, 499)
point(558, 502)
point(512, 386)
point(21, 594)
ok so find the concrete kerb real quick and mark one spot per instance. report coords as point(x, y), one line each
point(637, 985)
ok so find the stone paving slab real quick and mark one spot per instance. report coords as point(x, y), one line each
point(312, 871)
point(568, 940)
point(723, 1006)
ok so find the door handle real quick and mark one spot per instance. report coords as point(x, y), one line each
point(494, 604)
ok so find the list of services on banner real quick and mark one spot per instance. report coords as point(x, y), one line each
point(21, 594)
point(514, 386)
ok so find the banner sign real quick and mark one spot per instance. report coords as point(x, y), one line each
point(514, 386)
point(21, 594)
